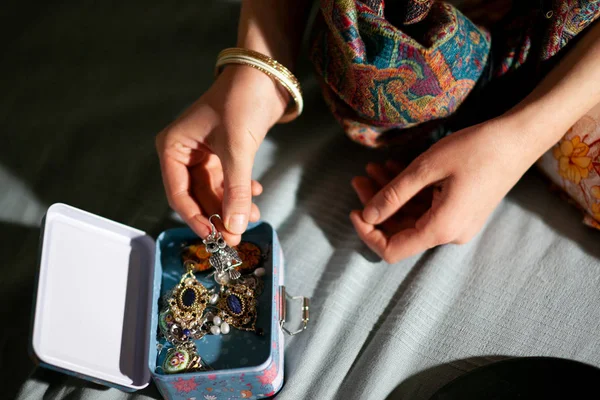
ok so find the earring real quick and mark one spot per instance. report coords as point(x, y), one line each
point(237, 306)
point(223, 258)
point(187, 303)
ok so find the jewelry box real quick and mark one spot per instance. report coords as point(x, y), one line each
point(97, 304)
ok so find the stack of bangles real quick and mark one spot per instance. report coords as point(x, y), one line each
point(270, 67)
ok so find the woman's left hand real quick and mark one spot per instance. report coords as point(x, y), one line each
point(446, 194)
point(464, 176)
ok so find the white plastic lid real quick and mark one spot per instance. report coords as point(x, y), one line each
point(92, 314)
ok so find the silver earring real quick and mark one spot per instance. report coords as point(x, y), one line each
point(223, 258)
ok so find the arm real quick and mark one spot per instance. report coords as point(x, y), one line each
point(274, 28)
point(468, 173)
point(564, 96)
point(207, 154)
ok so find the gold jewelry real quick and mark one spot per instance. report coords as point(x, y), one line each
point(238, 307)
point(270, 67)
point(188, 302)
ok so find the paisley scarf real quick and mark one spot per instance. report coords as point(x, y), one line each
point(400, 64)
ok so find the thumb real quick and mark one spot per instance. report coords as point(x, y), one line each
point(237, 194)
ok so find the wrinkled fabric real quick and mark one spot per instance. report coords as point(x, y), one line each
point(399, 64)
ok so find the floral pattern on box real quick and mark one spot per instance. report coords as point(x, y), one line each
point(226, 385)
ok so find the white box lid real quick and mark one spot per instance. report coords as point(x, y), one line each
point(94, 296)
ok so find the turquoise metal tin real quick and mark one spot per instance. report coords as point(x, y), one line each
point(100, 283)
point(245, 365)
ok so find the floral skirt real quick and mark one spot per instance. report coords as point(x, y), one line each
point(403, 70)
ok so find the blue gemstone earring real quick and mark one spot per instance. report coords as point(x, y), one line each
point(237, 305)
point(187, 303)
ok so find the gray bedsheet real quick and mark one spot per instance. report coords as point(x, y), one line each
point(84, 89)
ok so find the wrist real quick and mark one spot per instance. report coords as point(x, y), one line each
point(272, 97)
point(534, 126)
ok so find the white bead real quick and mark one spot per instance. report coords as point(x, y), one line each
point(222, 279)
point(215, 330)
point(214, 298)
point(224, 328)
point(216, 320)
point(260, 272)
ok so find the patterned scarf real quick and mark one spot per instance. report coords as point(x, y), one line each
point(407, 62)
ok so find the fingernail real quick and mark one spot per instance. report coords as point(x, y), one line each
point(371, 214)
point(237, 223)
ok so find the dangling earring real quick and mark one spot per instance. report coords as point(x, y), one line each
point(237, 305)
point(223, 258)
point(188, 301)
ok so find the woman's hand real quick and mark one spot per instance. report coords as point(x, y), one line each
point(446, 194)
point(207, 154)
point(465, 175)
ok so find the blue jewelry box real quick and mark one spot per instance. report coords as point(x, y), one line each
point(97, 304)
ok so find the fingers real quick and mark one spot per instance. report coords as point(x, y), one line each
point(442, 223)
point(176, 182)
point(379, 174)
point(403, 244)
point(231, 238)
point(254, 213)
point(394, 166)
point(367, 188)
point(257, 188)
point(364, 188)
point(401, 189)
point(369, 234)
point(202, 179)
point(237, 194)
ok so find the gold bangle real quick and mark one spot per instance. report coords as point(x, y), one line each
point(273, 69)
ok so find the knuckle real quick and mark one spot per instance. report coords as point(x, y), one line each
point(239, 192)
point(167, 138)
point(390, 195)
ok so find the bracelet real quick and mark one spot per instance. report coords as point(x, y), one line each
point(271, 68)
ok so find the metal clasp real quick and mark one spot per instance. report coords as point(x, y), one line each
point(283, 296)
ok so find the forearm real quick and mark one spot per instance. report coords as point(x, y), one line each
point(564, 96)
point(274, 28)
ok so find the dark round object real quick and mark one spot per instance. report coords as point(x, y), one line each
point(525, 378)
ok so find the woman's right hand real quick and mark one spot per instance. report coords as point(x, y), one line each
point(206, 155)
